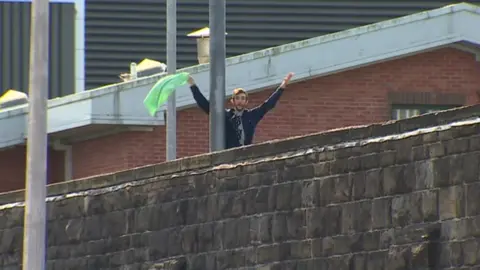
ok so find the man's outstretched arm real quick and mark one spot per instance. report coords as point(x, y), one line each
point(202, 102)
point(270, 103)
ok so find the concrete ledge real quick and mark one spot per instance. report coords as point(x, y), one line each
point(270, 148)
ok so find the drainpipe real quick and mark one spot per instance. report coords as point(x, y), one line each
point(67, 159)
point(79, 46)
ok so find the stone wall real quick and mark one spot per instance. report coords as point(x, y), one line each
point(401, 195)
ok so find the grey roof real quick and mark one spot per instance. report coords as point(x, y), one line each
point(131, 30)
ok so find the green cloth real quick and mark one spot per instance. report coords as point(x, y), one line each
point(160, 92)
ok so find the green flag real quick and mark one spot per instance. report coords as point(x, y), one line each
point(160, 92)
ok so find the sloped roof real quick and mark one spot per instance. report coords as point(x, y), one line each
point(121, 104)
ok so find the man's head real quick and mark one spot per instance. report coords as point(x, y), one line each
point(239, 99)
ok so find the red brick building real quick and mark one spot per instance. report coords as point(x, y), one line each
point(390, 70)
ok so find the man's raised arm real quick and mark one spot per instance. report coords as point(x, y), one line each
point(202, 102)
point(270, 103)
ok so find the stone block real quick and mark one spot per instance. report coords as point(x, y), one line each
point(373, 183)
point(454, 229)
point(272, 253)
point(403, 150)
point(354, 164)
point(457, 146)
point(188, 238)
point(359, 185)
point(322, 169)
point(169, 264)
point(226, 184)
point(369, 161)
point(356, 217)
point(296, 224)
point(398, 179)
point(420, 152)
point(471, 249)
point(474, 143)
point(359, 262)
point(377, 260)
point(452, 202)
point(310, 193)
point(144, 172)
point(470, 166)
point(11, 240)
point(339, 166)
point(472, 192)
point(430, 207)
point(473, 226)
point(298, 173)
point(339, 262)
point(387, 158)
point(325, 221)
point(70, 208)
point(335, 189)
point(451, 255)
point(262, 200)
point(441, 172)
point(157, 247)
point(424, 174)
point(300, 250)
point(381, 213)
point(287, 196)
point(436, 149)
point(205, 237)
point(406, 209)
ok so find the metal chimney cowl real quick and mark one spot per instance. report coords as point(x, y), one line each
point(203, 44)
point(203, 50)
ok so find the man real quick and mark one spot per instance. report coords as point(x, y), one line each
point(240, 122)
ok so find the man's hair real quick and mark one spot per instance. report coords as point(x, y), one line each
point(238, 91)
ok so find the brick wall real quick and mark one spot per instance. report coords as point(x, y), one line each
point(349, 98)
point(13, 168)
point(400, 201)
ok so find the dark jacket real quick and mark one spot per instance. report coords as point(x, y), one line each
point(250, 117)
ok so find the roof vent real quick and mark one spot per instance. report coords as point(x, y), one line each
point(145, 68)
point(13, 98)
point(203, 44)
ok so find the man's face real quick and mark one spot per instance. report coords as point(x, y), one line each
point(240, 101)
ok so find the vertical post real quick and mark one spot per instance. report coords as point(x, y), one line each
point(217, 27)
point(36, 176)
point(79, 46)
point(171, 69)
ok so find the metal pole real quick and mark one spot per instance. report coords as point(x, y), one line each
point(171, 69)
point(79, 46)
point(36, 176)
point(217, 75)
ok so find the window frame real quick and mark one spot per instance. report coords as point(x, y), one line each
point(421, 108)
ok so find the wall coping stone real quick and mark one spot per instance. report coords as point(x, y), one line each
point(296, 144)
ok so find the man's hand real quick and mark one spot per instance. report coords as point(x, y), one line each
point(286, 80)
point(191, 81)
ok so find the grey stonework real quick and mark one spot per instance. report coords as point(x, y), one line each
point(406, 203)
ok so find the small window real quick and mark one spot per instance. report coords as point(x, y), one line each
point(406, 111)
